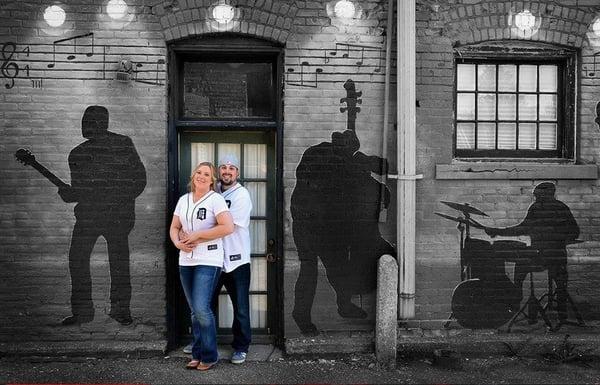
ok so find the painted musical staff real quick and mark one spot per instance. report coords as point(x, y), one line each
point(318, 65)
point(78, 57)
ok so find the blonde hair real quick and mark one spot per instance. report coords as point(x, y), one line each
point(213, 170)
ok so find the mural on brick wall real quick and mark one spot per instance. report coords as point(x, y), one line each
point(78, 57)
point(335, 207)
point(106, 177)
point(487, 297)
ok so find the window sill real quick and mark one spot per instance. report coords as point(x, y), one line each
point(515, 170)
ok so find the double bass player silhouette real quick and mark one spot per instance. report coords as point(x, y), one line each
point(335, 208)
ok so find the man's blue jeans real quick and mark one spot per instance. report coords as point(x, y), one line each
point(199, 283)
point(237, 283)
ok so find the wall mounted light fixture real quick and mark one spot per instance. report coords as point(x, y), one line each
point(344, 9)
point(596, 27)
point(525, 20)
point(223, 13)
point(55, 16)
point(116, 9)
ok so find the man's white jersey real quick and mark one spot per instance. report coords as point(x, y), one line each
point(237, 244)
point(201, 215)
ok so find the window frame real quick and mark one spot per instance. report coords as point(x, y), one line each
point(520, 53)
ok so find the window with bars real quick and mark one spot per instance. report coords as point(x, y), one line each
point(514, 107)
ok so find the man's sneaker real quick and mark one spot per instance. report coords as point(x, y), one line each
point(238, 358)
point(188, 348)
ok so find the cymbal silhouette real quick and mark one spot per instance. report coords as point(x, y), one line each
point(461, 220)
point(465, 208)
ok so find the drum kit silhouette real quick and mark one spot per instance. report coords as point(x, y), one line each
point(486, 297)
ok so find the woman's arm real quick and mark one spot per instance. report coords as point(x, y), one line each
point(223, 227)
point(174, 234)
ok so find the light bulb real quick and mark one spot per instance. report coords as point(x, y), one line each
point(55, 16)
point(116, 9)
point(525, 20)
point(344, 9)
point(223, 13)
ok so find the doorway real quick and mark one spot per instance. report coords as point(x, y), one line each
point(224, 97)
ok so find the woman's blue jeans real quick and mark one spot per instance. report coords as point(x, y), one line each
point(199, 283)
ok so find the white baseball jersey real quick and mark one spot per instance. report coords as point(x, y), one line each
point(237, 244)
point(201, 215)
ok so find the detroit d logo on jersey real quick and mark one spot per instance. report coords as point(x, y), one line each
point(201, 214)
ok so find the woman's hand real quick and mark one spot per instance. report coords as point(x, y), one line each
point(184, 247)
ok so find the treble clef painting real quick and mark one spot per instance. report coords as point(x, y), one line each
point(9, 69)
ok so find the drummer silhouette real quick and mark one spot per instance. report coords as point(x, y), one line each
point(551, 226)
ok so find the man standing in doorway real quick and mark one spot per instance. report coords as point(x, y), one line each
point(235, 275)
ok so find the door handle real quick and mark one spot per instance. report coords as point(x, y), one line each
point(271, 257)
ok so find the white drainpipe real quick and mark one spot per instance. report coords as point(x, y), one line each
point(406, 149)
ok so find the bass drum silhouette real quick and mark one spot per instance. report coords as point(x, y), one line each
point(489, 298)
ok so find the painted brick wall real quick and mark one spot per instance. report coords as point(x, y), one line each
point(42, 111)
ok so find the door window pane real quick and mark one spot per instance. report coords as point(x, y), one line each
point(227, 90)
point(258, 276)
point(202, 152)
point(255, 161)
point(258, 236)
point(258, 195)
point(258, 310)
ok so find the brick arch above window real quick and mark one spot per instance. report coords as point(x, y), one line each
point(489, 20)
point(265, 19)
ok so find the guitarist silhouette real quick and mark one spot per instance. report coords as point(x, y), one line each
point(106, 177)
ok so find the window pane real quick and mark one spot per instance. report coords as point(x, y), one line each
point(507, 77)
point(465, 77)
point(547, 136)
point(527, 107)
point(465, 106)
point(255, 161)
point(486, 136)
point(507, 136)
point(258, 236)
point(548, 78)
point(527, 78)
point(202, 152)
point(258, 277)
point(258, 195)
point(486, 107)
point(228, 148)
point(527, 136)
point(258, 311)
point(507, 107)
point(227, 90)
point(486, 77)
point(548, 107)
point(465, 135)
point(225, 311)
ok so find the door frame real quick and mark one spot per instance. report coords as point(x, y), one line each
point(225, 44)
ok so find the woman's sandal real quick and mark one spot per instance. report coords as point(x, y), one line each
point(193, 364)
point(202, 366)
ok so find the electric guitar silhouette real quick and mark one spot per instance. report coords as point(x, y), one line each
point(28, 159)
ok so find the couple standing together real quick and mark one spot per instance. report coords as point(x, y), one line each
point(210, 227)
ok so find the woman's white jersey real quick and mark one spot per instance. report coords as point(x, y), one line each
point(201, 215)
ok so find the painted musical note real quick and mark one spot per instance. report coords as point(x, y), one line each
point(74, 54)
point(9, 69)
point(592, 73)
point(304, 82)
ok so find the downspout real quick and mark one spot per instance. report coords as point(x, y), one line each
point(406, 152)
point(386, 111)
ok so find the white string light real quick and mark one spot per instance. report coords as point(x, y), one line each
point(55, 16)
